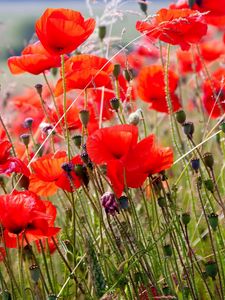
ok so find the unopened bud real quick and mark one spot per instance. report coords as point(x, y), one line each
point(208, 160)
point(162, 202)
point(77, 140)
point(195, 163)
point(128, 74)
point(167, 250)
point(134, 118)
point(6, 295)
point(102, 32)
point(123, 201)
point(28, 122)
point(188, 128)
point(213, 221)
point(211, 269)
point(116, 70)
point(209, 185)
point(52, 297)
point(144, 6)
point(186, 218)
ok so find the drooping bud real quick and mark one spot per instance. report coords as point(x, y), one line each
point(134, 118)
point(28, 122)
point(180, 116)
point(6, 295)
point(109, 203)
point(208, 160)
point(35, 273)
point(211, 269)
point(115, 104)
point(84, 117)
point(188, 128)
point(116, 70)
point(25, 138)
point(162, 202)
point(144, 6)
point(102, 32)
point(195, 163)
point(128, 74)
point(186, 218)
point(39, 88)
point(213, 221)
point(67, 167)
point(77, 140)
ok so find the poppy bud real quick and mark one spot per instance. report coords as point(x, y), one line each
point(24, 182)
point(115, 103)
point(213, 221)
point(35, 272)
point(28, 122)
point(77, 140)
point(186, 218)
point(39, 88)
point(78, 170)
point(52, 297)
point(188, 128)
point(67, 167)
point(123, 201)
point(84, 117)
point(6, 295)
point(211, 269)
point(128, 74)
point(25, 138)
point(180, 116)
point(186, 292)
point(209, 185)
point(109, 203)
point(68, 245)
point(208, 159)
point(47, 128)
point(116, 70)
point(134, 118)
point(162, 202)
point(195, 163)
point(167, 250)
point(102, 32)
point(144, 6)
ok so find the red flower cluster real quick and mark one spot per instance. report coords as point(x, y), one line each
point(129, 163)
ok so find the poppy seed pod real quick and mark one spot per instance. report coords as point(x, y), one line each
point(84, 117)
point(109, 203)
point(77, 140)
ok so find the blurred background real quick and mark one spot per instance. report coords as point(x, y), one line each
point(17, 18)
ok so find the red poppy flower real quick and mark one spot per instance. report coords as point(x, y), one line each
point(62, 30)
point(49, 176)
point(212, 49)
point(215, 10)
point(24, 213)
point(85, 71)
point(9, 164)
point(128, 162)
point(214, 100)
point(188, 63)
point(175, 26)
point(34, 59)
point(151, 88)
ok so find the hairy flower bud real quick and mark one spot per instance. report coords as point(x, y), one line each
point(109, 203)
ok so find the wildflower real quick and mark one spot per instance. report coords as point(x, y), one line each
point(129, 163)
point(109, 203)
point(151, 88)
point(34, 59)
point(85, 71)
point(24, 213)
point(62, 30)
point(175, 26)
